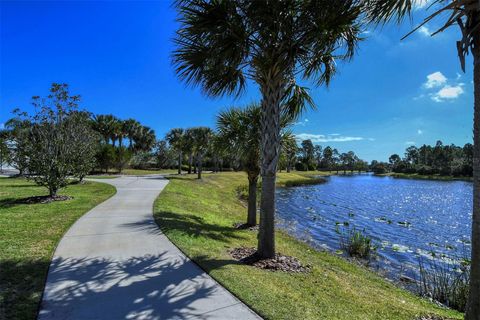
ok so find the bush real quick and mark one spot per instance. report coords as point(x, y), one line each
point(425, 170)
point(122, 158)
point(300, 166)
point(105, 156)
point(142, 160)
point(356, 243)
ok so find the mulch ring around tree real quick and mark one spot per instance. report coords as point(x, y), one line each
point(432, 317)
point(279, 263)
point(42, 199)
point(245, 226)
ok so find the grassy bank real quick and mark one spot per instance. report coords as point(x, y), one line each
point(198, 217)
point(29, 234)
point(424, 177)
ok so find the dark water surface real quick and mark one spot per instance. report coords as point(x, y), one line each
point(405, 218)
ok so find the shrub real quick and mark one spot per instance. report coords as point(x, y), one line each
point(300, 166)
point(105, 156)
point(122, 158)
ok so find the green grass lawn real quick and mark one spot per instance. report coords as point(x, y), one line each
point(198, 215)
point(29, 234)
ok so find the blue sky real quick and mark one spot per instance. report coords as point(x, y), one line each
point(117, 56)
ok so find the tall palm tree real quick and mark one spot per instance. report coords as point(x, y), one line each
point(104, 125)
point(176, 139)
point(131, 126)
point(466, 15)
point(115, 129)
point(222, 43)
point(240, 129)
point(188, 148)
point(144, 139)
point(201, 136)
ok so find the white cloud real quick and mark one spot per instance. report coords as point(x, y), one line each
point(442, 89)
point(320, 138)
point(435, 80)
point(301, 123)
point(423, 30)
point(420, 4)
point(420, 131)
point(410, 143)
point(2, 125)
point(448, 93)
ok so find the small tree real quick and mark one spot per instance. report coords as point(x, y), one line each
point(202, 137)
point(122, 158)
point(86, 141)
point(163, 154)
point(53, 138)
point(105, 156)
point(176, 139)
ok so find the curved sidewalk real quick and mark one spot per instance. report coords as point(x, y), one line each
point(114, 263)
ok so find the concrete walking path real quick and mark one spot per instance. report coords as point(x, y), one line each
point(114, 263)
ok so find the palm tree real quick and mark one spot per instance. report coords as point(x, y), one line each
point(131, 126)
point(240, 129)
point(466, 15)
point(201, 137)
point(144, 139)
point(176, 139)
point(188, 148)
point(222, 43)
point(103, 124)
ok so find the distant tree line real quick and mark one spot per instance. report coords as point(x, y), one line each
point(308, 156)
point(445, 160)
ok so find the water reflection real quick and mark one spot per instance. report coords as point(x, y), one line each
point(406, 218)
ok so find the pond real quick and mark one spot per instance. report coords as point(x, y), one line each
point(407, 219)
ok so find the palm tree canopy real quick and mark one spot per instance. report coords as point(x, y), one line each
point(240, 131)
point(221, 44)
point(463, 13)
point(201, 137)
point(175, 138)
point(144, 139)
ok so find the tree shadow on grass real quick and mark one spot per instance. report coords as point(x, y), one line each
point(21, 282)
point(195, 226)
point(11, 202)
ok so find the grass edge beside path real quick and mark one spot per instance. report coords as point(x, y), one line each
point(198, 217)
point(29, 235)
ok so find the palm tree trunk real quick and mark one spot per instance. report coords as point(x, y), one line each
point(180, 162)
point(473, 306)
point(199, 164)
point(272, 92)
point(252, 199)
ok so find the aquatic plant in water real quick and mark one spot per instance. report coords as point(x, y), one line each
point(356, 243)
point(444, 281)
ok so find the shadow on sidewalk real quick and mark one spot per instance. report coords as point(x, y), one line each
point(144, 287)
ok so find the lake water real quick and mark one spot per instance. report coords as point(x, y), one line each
point(405, 218)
